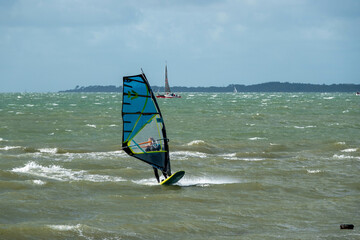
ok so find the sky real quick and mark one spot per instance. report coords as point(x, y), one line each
point(53, 45)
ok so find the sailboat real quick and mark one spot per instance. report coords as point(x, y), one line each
point(144, 134)
point(168, 93)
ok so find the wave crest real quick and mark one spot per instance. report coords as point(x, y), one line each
point(62, 174)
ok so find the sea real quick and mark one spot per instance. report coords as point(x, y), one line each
point(258, 166)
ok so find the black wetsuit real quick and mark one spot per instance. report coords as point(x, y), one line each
point(157, 174)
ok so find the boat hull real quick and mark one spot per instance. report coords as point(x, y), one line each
point(162, 96)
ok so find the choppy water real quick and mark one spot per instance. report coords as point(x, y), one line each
point(258, 166)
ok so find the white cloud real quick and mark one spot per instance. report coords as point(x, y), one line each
point(87, 41)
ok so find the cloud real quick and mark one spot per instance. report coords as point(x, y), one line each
point(93, 42)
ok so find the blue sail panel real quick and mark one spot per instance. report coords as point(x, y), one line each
point(136, 123)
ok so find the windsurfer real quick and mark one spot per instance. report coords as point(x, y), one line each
point(154, 146)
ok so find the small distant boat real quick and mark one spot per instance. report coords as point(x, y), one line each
point(357, 93)
point(168, 93)
point(235, 90)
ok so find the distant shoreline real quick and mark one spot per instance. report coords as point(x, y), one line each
point(263, 87)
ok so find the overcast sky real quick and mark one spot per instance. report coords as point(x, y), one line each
point(52, 45)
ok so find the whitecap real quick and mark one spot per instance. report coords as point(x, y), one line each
point(310, 126)
point(7, 148)
point(48, 150)
point(245, 159)
point(186, 154)
point(228, 155)
point(349, 150)
point(232, 156)
point(38, 182)
point(65, 227)
point(147, 182)
point(95, 155)
point(91, 125)
point(256, 138)
point(345, 157)
point(195, 142)
point(313, 171)
point(62, 174)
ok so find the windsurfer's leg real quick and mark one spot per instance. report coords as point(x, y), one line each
point(165, 175)
point(156, 174)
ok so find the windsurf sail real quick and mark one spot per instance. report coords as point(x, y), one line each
point(144, 134)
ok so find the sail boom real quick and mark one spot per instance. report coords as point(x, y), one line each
point(140, 113)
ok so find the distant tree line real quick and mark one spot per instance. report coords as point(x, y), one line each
point(263, 87)
point(96, 88)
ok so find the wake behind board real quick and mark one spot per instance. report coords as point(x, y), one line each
point(173, 178)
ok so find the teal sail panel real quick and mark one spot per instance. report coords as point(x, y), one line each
point(144, 134)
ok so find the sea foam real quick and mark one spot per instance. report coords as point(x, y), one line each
point(48, 150)
point(62, 174)
point(192, 181)
point(206, 181)
point(349, 150)
point(183, 155)
point(7, 148)
point(65, 227)
point(195, 142)
point(256, 138)
point(313, 171)
point(300, 127)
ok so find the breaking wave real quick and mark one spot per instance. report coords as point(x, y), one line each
point(62, 174)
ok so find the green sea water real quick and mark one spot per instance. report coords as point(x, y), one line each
point(258, 166)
